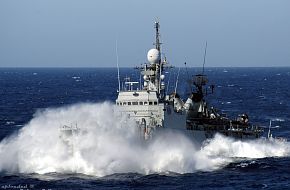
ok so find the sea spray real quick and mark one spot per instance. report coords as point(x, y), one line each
point(232, 148)
point(110, 143)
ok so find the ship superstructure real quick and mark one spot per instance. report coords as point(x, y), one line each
point(145, 102)
point(153, 109)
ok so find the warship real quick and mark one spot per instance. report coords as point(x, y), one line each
point(147, 103)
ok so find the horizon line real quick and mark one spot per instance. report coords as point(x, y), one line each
point(108, 67)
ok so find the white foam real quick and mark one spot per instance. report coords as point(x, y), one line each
point(110, 144)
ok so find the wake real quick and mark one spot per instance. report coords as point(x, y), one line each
point(109, 143)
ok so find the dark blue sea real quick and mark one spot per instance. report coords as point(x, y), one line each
point(34, 102)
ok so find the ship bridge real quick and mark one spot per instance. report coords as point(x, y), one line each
point(135, 98)
point(130, 95)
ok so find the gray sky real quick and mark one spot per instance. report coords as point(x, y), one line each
point(83, 33)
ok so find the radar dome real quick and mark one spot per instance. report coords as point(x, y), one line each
point(153, 56)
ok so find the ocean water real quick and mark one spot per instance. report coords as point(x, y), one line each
point(35, 102)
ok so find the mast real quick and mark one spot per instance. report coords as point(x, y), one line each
point(201, 79)
point(153, 72)
point(157, 41)
point(158, 67)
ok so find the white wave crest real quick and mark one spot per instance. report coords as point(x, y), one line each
point(110, 144)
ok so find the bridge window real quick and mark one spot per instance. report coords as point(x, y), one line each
point(150, 103)
point(140, 103)
point(129, 103)
point(155, 103)
point(124, 103)
point(145, 103)
point(134, 103)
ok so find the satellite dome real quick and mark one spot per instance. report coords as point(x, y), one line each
point(153, 56)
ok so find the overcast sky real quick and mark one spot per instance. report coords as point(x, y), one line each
point(83, 33)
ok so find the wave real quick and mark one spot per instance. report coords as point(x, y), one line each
point(109, 143)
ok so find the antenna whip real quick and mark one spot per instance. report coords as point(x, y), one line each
point(117, 59)
point(204, 56)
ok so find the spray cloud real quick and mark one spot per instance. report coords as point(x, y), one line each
point(108, 143)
